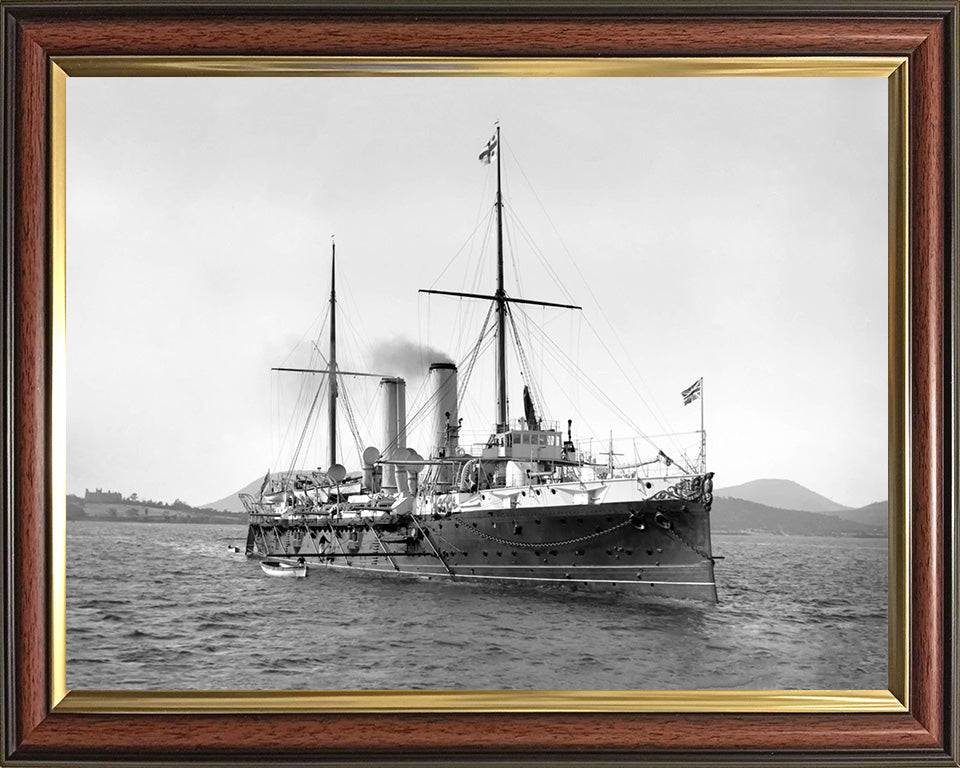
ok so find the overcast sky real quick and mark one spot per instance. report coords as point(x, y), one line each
point(730, 228)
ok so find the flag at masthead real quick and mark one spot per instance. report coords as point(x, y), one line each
point(490, 150)
point(500, 297)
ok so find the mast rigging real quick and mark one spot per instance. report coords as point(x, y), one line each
point(500, 298)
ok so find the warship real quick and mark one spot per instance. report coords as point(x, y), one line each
point(529, 506)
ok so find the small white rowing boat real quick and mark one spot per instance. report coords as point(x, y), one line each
point(284, 569)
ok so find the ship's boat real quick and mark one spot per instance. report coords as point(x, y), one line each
point(283, 569)
point(530, 505)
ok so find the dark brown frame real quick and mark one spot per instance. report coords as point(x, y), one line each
point(925, 32)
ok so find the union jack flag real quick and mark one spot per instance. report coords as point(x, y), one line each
point(692, 392)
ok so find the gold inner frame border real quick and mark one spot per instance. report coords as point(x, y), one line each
point(894, 699)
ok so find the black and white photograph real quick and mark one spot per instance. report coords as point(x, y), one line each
point(477, 383)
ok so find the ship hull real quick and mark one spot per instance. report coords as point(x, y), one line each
point(648, 548)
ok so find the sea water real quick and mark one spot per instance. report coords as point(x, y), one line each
point(167, 606)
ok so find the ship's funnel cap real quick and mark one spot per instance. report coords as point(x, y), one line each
point(443, 366)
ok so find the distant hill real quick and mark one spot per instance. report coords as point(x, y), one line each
point(872, 514)
point(114, 507)
point(740, 515)
point(782, 494)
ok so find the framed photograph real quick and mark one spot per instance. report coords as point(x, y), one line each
point(472, 383)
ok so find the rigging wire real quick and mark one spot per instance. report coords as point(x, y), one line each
point(474, 354)
point(313, 437)
point(525, 366)
point(359, 333)
point(303, 434)
point(565, 360)
point(466, 313)
point(650, 407)
point(301, 399)
point(459, 250)
point(513, 255)
point(351, 420)
point(629, 379)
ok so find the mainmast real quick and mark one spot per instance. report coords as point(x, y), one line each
point(501, 396)
point(332, 405)
point(500, 297)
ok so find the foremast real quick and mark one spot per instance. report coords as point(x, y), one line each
point(332, 371)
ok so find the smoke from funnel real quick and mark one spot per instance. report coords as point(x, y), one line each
point(405, 358)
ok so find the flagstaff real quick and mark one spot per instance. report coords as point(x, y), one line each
point(703, 434)
point(691, 393)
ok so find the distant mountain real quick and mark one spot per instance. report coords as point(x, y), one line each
point(872, 514)
point(738, 515)
point(232, 502)
point(782, 494)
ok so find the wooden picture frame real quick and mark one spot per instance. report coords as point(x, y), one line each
point(40, 726)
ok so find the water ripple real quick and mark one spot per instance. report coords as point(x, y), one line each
point(795, 612)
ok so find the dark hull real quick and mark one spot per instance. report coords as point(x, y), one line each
point(650, 548)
